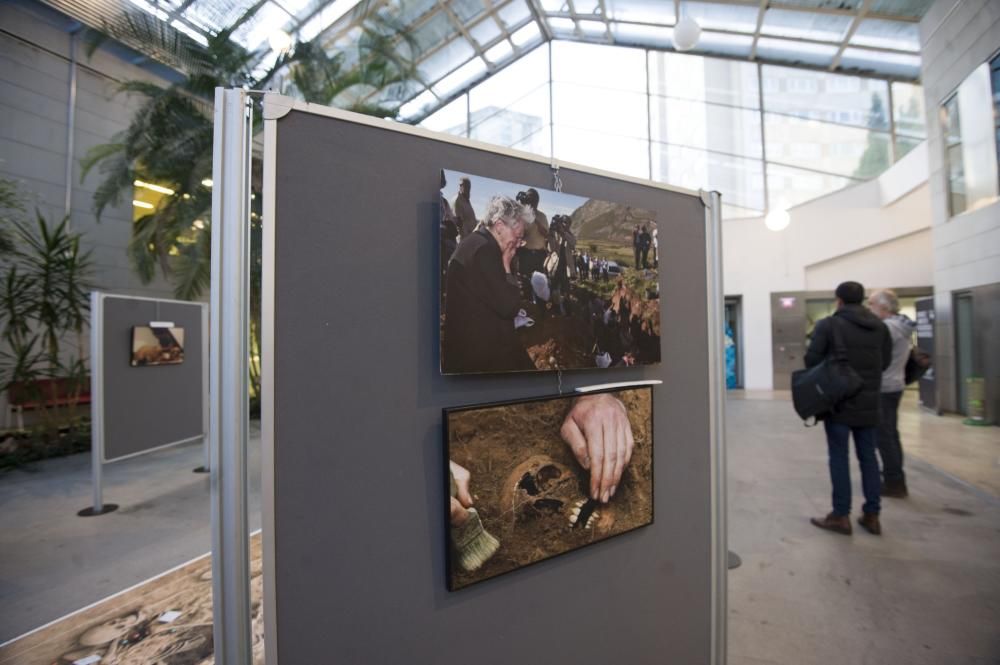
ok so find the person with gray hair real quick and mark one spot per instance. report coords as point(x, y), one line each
point(482, 295)
point(885, 304)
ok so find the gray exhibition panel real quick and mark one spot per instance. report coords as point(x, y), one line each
point(152, 406)
point(359, 535)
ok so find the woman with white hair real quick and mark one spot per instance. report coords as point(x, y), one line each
point(482, 295)
point(885, 305)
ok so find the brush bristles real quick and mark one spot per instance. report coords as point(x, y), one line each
point(475, 545)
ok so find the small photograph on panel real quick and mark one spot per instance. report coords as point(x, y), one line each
point(533, 479)
point(533, 279)
point(157, 346)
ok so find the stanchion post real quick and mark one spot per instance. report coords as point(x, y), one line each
point(229, 412)
point(206, 464)
point(715, 299)
point(97, 507)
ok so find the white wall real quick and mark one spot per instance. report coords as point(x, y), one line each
point(34, 97)
point(877, 232)
point(904, 261)
point(955, 38)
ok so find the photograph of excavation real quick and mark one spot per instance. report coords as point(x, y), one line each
point(578, 287)
point(519, 466)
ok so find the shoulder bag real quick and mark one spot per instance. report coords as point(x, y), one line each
point(816, 391)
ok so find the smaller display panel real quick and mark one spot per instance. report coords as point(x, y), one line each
point(530, 480)
point(534, 279)
point(157, 346)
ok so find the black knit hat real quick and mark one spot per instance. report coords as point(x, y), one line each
point(852, 293)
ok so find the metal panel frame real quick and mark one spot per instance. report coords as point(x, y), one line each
point(228, 376)
point(275, 107)
point(715, 298)
point(97, 453)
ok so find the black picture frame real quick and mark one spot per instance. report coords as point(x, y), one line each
point(485, 489)
point(595, 304)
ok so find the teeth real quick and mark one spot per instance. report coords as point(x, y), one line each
point(576, 511)
point(579, 504)
point(574, 517)
point(593, 517)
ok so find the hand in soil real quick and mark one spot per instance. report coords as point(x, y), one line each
point(459, 504)
point(598, 432)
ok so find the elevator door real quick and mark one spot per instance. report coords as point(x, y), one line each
point(964, 348)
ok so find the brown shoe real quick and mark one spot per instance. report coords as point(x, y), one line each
point(895, 490)
point(837, 523)
point(870, 523)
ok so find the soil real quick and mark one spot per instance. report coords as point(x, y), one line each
point(571, 340)
point(492, 442)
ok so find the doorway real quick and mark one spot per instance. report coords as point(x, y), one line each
point(734, 342)
point(964, 348)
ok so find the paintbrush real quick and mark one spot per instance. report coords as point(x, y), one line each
point(474, 544)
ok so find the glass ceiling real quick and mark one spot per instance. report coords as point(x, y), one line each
point(462, 42)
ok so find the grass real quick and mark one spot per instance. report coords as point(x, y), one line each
point(612, 251)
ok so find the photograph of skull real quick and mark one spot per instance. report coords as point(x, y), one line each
point(534, 279)
point(157, 346)
point(532, 479)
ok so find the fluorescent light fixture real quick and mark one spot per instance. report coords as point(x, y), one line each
point(526, 35)
point(207, 182)
point(458, 78)
point(499, 52)
point(142, 204)
point(592, 28)
point(150, 9)
point(327, 17)
point(155, 188)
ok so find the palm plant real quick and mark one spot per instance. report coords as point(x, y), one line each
point(44, 301)
point(169, 140)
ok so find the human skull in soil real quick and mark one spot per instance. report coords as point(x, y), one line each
point(541, 488)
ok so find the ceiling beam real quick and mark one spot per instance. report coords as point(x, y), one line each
point(457, 22)
point(539, 15)
point(862, 11)
point(756, 31)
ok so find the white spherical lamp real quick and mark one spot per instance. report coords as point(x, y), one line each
point(686, 34)
point(777, 219)
point(279, 41)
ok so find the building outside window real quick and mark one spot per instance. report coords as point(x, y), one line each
point(970, 143)
point(766, 136)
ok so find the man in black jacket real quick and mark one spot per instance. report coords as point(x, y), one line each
point(869, 351)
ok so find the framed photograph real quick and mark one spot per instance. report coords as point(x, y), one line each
point(157, 346)
point(533, 279)
point(529, 480)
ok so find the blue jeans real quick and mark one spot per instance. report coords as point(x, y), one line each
point(837, 441)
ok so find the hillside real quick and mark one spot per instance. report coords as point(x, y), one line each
point(603, 220)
